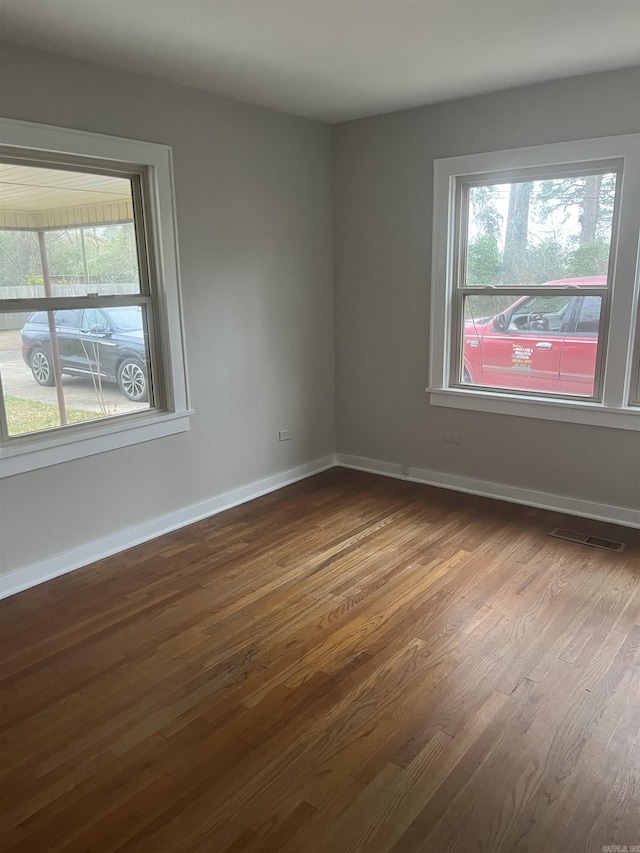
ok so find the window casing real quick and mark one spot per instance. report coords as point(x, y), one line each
point(489, 358)
point(635, 381)
point(158, 344)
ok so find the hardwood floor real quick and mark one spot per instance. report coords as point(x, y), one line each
point(350, 664)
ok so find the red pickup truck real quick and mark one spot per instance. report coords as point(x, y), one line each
point(540, 343)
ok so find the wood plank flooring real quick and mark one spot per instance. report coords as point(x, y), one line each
point(350, 664)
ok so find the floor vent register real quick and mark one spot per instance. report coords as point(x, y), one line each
point(584, 539)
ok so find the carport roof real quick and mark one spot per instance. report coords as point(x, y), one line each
point(33, 198)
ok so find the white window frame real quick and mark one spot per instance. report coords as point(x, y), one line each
point(51, 447)
point(616, 408)
point(635, 381)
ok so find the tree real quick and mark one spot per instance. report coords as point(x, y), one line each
point(110, 249)
point(19, 258)
point(516, 234)
point(483, 261)
point(545, 261)
point(483, 252)
point(64, 253)
point(485, 215)
point(590, 259)
point(590, 197)
point(590, 205)
point(112, 255)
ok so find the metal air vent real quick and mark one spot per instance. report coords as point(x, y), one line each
point(584, 539)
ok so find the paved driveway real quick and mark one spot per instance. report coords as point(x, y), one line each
point(79, 392)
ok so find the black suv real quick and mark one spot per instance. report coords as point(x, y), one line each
point(109, 342)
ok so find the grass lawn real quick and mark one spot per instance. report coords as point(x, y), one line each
point(30, 416)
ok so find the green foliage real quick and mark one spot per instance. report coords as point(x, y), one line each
point(110, 251)
point(483, 261)
point(64, 252)
point(568, 194)
point(115, 259)
point(590, 259)
point(19, 257)
point(553, 229)
point(111, 254)
point(485, 214)
point(547, 261)
point(544, 262)
point(483, 307)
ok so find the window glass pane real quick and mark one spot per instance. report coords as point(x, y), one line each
point(531, 232)
point(544, 314)
point(588, 318)
point(542, 342)
point(103, 365)
point(20, 265)
point(83, 225)
point(67, 319)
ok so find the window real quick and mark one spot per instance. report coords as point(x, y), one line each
point(91, 351)
point(534, 282)
point(635, 381)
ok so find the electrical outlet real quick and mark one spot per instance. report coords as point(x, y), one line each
point(284, 435)
point(452, 438)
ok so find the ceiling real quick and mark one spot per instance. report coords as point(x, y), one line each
point(335, 60)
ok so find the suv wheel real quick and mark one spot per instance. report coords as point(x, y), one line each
point(132, 379)
point(42, 368)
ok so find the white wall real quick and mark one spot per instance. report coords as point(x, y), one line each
point(254, 198)
point(383, 185)
point(253, 194)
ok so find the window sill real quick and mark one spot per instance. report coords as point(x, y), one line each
point(58, 446)
point(593, 414)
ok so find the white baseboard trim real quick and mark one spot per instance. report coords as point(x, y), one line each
point(106, 546)
point(542, 500)
point(114, 543)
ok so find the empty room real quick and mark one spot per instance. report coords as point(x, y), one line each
point(319, 426)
